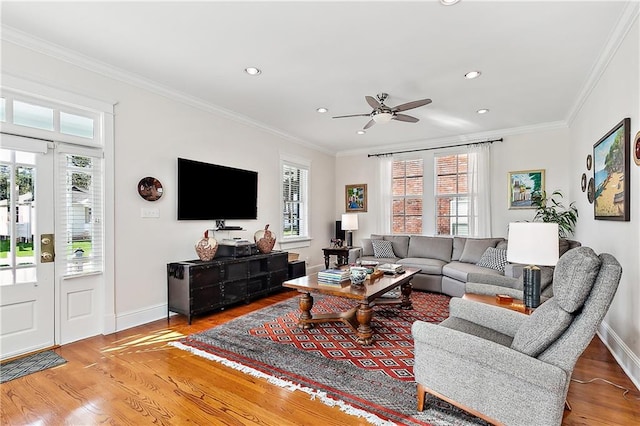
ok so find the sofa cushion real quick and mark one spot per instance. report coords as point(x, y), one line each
point(574, 276)
point(367, 247)
point(460, 270)
point(493, 258)
point(430, 247)
point(475, 247)
point(426, 266)
point(458, 246)
point(400, 244)
point(382, 248)
point(541, 328)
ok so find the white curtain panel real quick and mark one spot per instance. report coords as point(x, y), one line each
point(479, 183)
point(384, 198)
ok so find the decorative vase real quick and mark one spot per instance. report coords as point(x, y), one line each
point(206, 248)
point(358, 275)
point(265, 240)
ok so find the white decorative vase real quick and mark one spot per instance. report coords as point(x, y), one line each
point(206, 248)
point(265, 240)
point(358, 275)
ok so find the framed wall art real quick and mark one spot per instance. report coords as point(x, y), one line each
point(356, 197)
point(150, 188)
point(611, 174)
point(522, 186)
point(636, 149)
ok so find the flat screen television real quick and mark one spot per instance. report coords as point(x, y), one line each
point(214, 192)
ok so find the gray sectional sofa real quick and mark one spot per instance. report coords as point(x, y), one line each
point(446, 262)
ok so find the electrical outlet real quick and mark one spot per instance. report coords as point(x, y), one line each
point(148, 212)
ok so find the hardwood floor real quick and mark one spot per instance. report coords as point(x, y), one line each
point(133, 377)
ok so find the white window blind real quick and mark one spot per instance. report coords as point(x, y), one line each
point(295, 201)
point(79, 228)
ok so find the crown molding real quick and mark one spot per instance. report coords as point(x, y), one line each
point(618, 34)
point(52, 50)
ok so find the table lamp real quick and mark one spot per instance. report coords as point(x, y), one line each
point(350, 224)
point(532, 244)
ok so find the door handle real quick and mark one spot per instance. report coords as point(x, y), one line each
point(47, 249)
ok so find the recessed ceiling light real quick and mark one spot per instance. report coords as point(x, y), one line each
point(252, 71)
point(361, 132)
point(472, 74)
point(482, 111)
point(322, 110)
point(449, 2)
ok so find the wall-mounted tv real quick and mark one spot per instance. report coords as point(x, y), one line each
point(214, 192)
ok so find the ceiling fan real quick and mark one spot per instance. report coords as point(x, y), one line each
point(383, 114)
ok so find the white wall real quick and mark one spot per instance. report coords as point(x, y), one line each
point(616, 96)
point(151, 131)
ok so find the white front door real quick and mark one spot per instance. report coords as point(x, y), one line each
point(27, 273)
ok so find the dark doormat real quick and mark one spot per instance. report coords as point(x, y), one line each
point(29, 364)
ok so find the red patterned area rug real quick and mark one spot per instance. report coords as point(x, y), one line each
point(392, 349)
point(362, 391)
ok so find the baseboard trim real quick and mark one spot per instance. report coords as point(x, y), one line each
point(139, 317)
point(626, 359)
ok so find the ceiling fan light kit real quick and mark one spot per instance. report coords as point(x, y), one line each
point(383, 114)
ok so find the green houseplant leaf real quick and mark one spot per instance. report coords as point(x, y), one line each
point(551, 209)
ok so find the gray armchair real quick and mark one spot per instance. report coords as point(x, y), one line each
point(510, 368)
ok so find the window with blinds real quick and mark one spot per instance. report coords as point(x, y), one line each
point(295, 201)
point(79, 236)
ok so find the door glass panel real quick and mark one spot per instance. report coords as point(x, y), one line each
point(76, 125)
point(17, 218)
point(30, 115)
point(3, 109)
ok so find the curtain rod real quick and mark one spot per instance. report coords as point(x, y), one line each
point(384, 154)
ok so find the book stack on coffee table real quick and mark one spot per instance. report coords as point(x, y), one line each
point(333, 277)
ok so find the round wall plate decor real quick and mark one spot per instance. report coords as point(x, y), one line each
point(584, 182)
point(150, 188)
point(636, 149)
point(591, 191)
point(589, 161)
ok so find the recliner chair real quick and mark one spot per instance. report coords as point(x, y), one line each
point(510, 368)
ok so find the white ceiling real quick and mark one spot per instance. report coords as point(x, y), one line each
point(536, 58)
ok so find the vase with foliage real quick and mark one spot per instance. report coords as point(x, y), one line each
point(551, 209)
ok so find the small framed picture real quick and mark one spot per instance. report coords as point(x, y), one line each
point(356, 197)
point(523, 185)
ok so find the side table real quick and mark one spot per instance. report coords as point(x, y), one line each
point(342, 254)
point(516, 305)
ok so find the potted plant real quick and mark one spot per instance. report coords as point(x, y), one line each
point(551, 209)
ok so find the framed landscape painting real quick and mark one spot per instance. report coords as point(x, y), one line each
point(522, 186)
point(611, 174)
point(356, 197)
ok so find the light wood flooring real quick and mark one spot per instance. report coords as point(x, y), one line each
point(133, 378)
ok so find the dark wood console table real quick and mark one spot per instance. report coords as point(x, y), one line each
point(197, 287)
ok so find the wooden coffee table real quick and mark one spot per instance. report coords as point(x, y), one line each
point(367, 295)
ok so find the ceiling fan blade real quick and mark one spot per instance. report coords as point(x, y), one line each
point(411, 105)
point(352, 115)
point(369, 124)
point(405, 117)
point(373, 102)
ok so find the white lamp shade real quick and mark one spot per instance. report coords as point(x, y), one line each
point(533, 243)
point(349, 222)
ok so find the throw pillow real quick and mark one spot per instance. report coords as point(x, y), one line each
point(382, 248)
point(493, 258)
